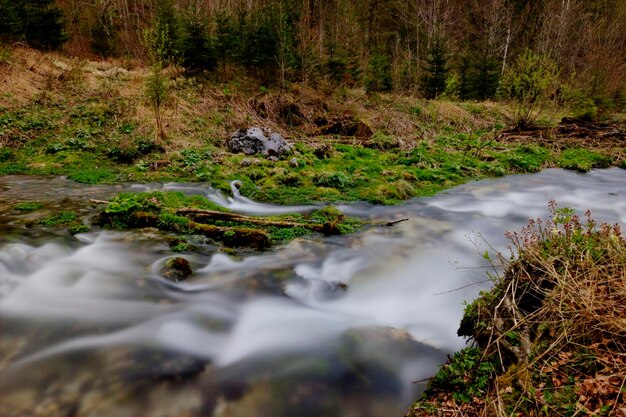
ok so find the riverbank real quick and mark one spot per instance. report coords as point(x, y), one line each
point(548, 338)
point(91, 122)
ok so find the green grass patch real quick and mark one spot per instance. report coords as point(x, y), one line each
point(28, 206)
point(93, 176)
point(583, 160)
point(57, 219)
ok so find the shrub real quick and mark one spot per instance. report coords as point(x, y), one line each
point(529, 83)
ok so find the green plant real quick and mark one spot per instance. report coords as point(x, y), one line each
point(92, 176)
point(78, 228)
point(467, 375)
point(158, 44)
point(181, 247)
point(337, 180)
point(583, 160)
point(61, 218)
point(529, 83)
point(6, 154)
point(381, 141)
point(436, 69)
point(28, 206)
point(528, 158)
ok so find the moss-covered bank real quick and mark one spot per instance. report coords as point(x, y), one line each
point(196, 215)
point(549, 338)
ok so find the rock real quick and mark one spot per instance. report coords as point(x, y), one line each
point(176, 269)
point(273, 158)
point(256, 140)
point(293, 162)
point(245, 162)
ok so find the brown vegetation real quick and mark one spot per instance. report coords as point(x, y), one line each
point(552, 329)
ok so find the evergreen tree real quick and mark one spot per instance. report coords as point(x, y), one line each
point(225, 41)
point(379, 73)
point(485, 77)
point(196, 49)
point(38, 22)
point(434, 82)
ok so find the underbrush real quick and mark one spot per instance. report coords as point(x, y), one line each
point(550, 336)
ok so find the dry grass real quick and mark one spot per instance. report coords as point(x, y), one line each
point(554, 325)
point(32, 77)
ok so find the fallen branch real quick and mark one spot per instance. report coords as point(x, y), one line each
point(393, 223)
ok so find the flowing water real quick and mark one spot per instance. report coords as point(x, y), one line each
point(324, 326)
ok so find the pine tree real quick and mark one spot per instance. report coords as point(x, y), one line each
point(434, 82)
point(225, 41)
point(38, 22)
point(196, 49)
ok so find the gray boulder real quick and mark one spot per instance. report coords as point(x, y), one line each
point(256, 140)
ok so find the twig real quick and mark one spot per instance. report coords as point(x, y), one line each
point(393, 223)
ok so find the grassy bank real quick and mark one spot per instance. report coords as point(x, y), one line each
point(548, 339)
point(91, 122)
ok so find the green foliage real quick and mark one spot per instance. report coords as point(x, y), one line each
point(579, 100)
point(338, 180)
point(529, 83)
point(480, 76)
point(378, 74)
point(78, 228)
point(61, 218)
point(225, 41)
point(286, 234)
point(171, 221)
point(467, 375)
point(528, 158)
point(38, 22)
point(379, 140)
point(436, 69)
point(6, 154)
point(181, 247)
point(196, 48)
point(451, 90)
point(123, 204)
point(93, 175)
point(583, 160)
point(28, 206)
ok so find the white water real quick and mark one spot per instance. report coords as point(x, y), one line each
point(85, 314)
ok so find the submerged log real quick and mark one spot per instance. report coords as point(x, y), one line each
point(201, 215)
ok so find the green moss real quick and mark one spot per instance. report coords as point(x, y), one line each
point(583, 160)
point(28, 206)
point(57, 219)
point(93, 176)
point(527, 158)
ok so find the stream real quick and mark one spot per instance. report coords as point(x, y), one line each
point(323, 326)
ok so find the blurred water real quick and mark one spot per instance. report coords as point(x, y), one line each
point(336, 326)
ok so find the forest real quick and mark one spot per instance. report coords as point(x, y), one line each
point(429, 48)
